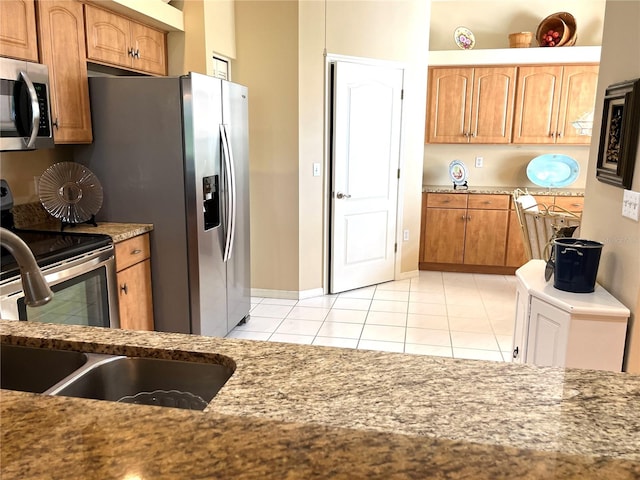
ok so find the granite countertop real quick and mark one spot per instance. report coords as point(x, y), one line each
point(33, 216)
point(564, 192)
point(297, 411)
point(117, 231)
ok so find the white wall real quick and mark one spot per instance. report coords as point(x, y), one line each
point(619, 270)
point(492, 21)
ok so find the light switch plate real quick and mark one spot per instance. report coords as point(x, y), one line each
point(479, 162)
point(631, 205)
point(316, 169)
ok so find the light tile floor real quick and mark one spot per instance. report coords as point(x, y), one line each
point(457, 315)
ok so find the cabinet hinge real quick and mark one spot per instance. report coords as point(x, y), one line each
point(398, 173)
point(402, 94)
point(395, 248)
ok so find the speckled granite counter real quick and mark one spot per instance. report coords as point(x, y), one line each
point(295, 411)
point(117, 231)
point(565, 192)
point(33, 216)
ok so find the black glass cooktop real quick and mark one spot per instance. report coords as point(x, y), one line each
point(52, 247)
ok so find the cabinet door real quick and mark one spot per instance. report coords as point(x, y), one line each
point(578, 99)
point(108, 37)
point(486, 237)
point(135, 299)
point(572, 204)
point(149, 45)
point(62, 49)
point(18, 30)
point(444, 235)
point(449, 105)
point(521, 327)
point(548, 334)
point(516, 254)
point(537, 104)
point(492, 104)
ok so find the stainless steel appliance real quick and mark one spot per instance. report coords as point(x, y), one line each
point(25, 111)
point(173, 151)
point(79, 268)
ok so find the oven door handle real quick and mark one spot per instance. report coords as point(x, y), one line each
point(35, 110)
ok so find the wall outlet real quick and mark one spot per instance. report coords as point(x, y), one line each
point(479, 162)
point(405, 235)
point(316, 169)
point(631, 205)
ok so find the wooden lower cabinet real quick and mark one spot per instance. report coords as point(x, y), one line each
point(469, 232)
point(516, 254)
point(135, 299)
point(486, 237)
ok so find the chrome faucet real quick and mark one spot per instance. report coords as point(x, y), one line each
point(35, 287)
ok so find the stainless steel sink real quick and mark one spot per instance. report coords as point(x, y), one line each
point(35, 369)
point(149, 381)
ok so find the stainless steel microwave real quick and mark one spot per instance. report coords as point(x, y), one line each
point(25, 108)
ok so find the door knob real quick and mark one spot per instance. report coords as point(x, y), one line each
point(342, 195)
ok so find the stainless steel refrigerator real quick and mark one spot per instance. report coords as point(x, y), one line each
point(173, 151)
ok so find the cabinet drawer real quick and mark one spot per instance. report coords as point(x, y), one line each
point(573, 204)
point(132, 251)
point(448, 200)
point(488, 202)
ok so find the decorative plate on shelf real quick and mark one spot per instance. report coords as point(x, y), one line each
point(70, 192)
point(464, 38)
point(458, 172)
point(553, 170)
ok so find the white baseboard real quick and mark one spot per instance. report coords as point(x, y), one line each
point(287, 294)
point(411, 274)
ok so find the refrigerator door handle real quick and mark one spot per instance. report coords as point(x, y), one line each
point(227, 159)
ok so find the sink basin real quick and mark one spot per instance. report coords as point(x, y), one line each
point(34, 370)
point(149, 381)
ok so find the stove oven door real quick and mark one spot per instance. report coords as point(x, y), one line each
point(84, 293)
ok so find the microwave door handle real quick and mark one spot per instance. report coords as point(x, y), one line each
point(35, 110)
point(230, 191)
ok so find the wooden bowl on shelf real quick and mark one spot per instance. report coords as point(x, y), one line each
point(557, 30)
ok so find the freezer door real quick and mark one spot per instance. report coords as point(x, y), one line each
point(235, 110)
point(202, 109)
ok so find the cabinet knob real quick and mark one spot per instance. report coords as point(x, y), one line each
point(55, 124)
point(130, 52)
point(136, 54)
point(124, 289)
point(464, 217)
point(136, 251)
point(516, 352)
point(559, 134)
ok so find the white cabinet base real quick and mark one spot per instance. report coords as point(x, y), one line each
point(564, 329)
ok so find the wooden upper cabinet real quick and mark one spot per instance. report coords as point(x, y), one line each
point(579, 84)
point(62, 48)
point(18, 30)
point(108, 37)
point(118, 41)
point(470, 105)
point(151, 53)
point(549, 99)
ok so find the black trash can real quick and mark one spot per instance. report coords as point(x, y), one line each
point(576, 264)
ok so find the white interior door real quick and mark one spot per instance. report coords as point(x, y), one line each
point(367, 108)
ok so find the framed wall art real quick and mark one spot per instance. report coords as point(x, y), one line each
point(619, 134)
